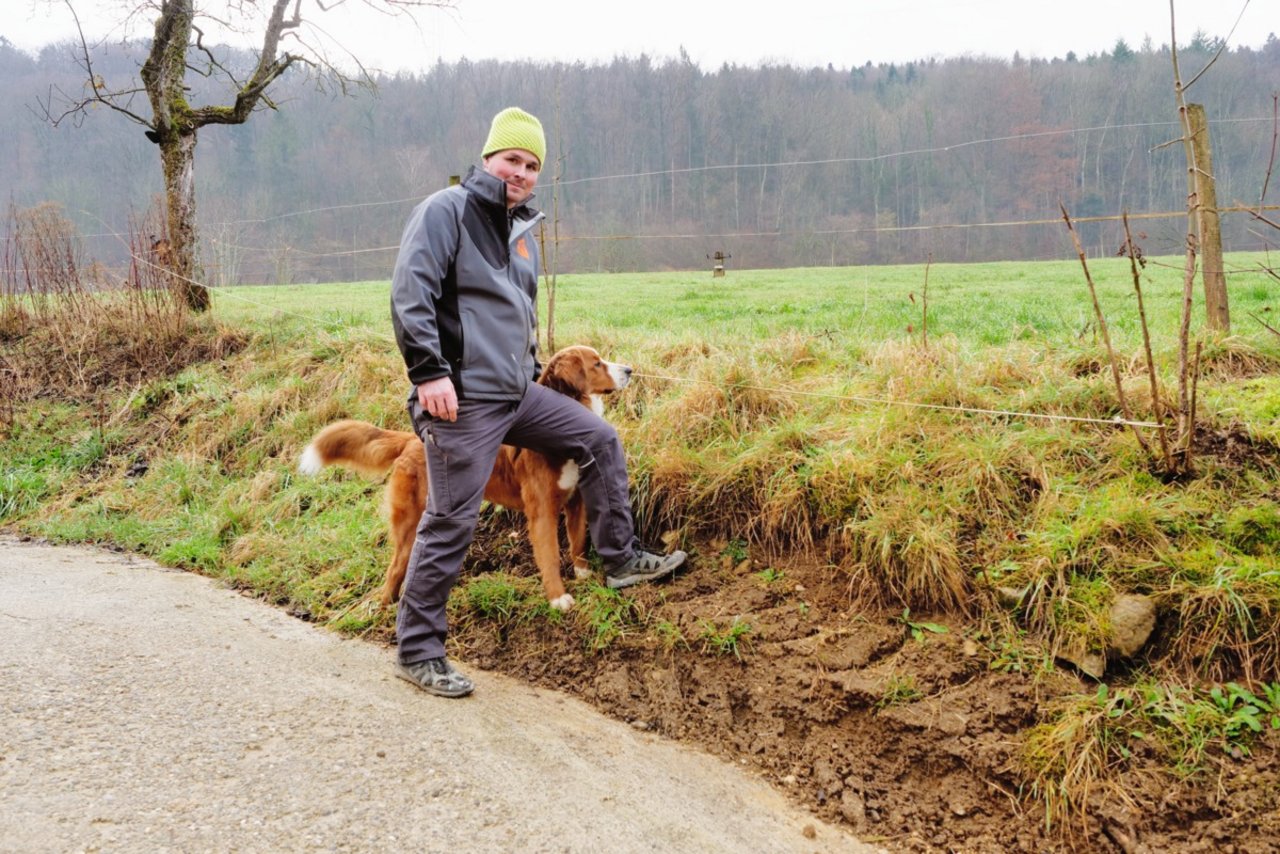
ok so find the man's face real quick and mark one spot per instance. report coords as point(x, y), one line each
point(518, 169)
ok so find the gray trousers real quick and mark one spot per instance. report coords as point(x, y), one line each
point(460, 456)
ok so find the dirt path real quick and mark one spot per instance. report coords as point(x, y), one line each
point(147, 709)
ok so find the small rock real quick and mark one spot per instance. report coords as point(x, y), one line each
point(809, 832)
point(852, 807)
point(970, 647)
point(1090, 662)
point(1133, 618)
point(1010, 597)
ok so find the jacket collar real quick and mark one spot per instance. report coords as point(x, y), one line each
point(494, 192)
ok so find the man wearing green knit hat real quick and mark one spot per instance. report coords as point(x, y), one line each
point(464, 299)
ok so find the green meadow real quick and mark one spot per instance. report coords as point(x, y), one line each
point(981, 305)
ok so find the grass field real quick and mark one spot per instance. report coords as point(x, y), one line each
point(981, 304)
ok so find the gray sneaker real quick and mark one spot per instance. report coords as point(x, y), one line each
point(643, 566)
point(436, 676)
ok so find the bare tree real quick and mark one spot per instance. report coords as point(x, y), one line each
point(1262, 196)
point(178, 49)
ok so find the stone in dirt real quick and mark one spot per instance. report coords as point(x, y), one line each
point(1133, 618)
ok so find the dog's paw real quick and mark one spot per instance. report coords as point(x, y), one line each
point(562, 603)
point(581, 572)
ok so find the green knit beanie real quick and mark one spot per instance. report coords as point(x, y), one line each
point(514, 128)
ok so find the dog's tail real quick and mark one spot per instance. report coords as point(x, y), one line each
point(356, 445)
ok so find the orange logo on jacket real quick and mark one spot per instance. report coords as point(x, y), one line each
point(521, 249)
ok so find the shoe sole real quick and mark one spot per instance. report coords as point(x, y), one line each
point(628, 580)
point(432, 689)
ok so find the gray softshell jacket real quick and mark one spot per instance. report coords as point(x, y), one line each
point(465, 288)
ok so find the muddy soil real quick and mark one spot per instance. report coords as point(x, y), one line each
point(911, 742)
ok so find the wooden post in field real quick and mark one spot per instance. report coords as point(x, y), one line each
point(1217, 312)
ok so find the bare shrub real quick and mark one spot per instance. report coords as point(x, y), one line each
point(71, 329)
point(42, 264)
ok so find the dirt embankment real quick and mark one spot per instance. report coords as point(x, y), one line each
point(913, 744)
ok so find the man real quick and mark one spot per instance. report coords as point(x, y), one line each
point(464, 308)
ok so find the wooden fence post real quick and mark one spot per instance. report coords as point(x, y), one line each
point(1217, 311)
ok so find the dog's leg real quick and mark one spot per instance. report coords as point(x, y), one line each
point(406, 500)
point(543, 522)
point(575, 522)
point(402, 535)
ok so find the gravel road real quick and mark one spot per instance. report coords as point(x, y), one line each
point(144, 709)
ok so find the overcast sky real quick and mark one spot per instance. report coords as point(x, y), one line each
point(843, 33)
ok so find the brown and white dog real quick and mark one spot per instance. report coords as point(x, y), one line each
point(539, 486)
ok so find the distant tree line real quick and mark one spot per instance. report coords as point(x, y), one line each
point(663, 163)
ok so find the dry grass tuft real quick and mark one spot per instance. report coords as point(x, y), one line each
point(1234, 358)
point(1225, 618)
point(905, 552)
point(1070, 758)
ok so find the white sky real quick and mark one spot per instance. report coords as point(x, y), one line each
point(843, 33)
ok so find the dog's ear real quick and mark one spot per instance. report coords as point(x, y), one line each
point(566, 374)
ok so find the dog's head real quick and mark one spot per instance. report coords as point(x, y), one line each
point(580, 373)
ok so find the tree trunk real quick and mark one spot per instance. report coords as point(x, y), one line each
point(1217, 312)
point(178, 158)
point(175, 132)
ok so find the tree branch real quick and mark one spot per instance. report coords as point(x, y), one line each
point(96, 84)
point(1221, 48)
point(213, 60)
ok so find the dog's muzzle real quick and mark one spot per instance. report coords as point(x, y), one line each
point(621, 374)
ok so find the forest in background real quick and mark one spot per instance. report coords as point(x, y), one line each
point(655, 165)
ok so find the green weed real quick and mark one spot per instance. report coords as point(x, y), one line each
point(493, 596)
point(899, 691)
point(736, 551)
point(729, 640)
point(1243, 713)
point(917, 628)
point(1254, 530)
point(21, 491)
point(1015, 655)
point(1087, 736)
point(608, 615)
point(670, 635)
point(770, 576)
point(201, 551)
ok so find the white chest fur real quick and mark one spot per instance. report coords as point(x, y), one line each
point(568, 476)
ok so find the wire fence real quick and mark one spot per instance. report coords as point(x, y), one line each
point(245, 251)
point(236, 262)
point(316, 327)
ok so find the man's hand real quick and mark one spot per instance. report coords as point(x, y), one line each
point(438, 398)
